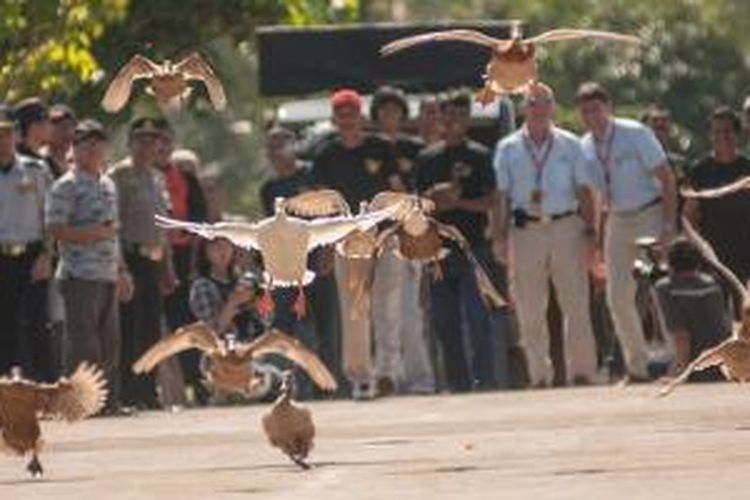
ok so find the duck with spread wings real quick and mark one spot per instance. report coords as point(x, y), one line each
point(513, 63)
point(169, 82)
point(285, 241)
point(23, 401)
point(229, 368)
point(423, 238)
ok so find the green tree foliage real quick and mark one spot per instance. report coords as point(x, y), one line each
point(231, 141)
point(45, 45)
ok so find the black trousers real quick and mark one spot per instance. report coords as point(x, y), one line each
point(91, 313)
point(140, 328)
point(25, 334)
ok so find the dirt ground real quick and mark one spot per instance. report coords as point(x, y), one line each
point(592, 443)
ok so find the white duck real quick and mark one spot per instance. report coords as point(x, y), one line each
point(284, 241)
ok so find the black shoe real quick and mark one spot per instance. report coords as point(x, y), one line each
point(384, 387)
point(118, 411)
point(635, 379)
point(581, 380)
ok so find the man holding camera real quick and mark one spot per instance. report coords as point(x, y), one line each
point(546, 191)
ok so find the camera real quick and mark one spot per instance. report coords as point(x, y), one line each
point(251, 281)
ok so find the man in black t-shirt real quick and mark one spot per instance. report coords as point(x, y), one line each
point(359, 166)
point(725, 221)
point(356, 164)
point(402, 358)
point(288, 177)
point(457, 174)
point(388, 111)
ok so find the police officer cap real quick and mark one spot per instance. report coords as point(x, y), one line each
point(89, 129)
point(31, 110)
point(7, 118)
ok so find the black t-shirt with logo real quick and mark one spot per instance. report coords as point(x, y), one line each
point(467, 166)
point(725, 221)
point(285, 187)
point(358, 173)
point(406, 149)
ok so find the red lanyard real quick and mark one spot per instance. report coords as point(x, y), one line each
point(539, 161)
point(605, 156)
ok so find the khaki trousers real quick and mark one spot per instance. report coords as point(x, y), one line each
point(555, 250)
point(620, 252)
point(397, 317)
point(356, 336)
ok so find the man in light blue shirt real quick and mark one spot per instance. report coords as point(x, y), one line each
point(638, 189)
point(545, 193)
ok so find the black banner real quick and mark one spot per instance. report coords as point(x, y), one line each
point(295, 61)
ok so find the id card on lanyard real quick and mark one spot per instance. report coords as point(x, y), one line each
point(603, 151)
point(539, 162)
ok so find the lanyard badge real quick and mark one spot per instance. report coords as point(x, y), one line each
point(539, 162)
point(604, 155)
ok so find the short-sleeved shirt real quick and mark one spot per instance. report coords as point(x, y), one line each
point(521, 169)
point(141, 194)
point(79, 199)
point(624, 167)
point(358, 173)
point(468, 167)
point(207, 299)
point(405, 150)
point(694, 303)
point(22, 191)
point(284, 187)
point(725, 221)
point(53, 169)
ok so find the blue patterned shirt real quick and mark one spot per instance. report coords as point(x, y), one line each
point(79, 199)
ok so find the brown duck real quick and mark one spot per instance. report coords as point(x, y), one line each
point(513, 63)
point(229, 368)
point(422, 238)
point(289, 425)
point(169, 81)
point(732, 356)
point(23, 401)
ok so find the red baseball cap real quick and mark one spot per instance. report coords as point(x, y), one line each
point(346, 97)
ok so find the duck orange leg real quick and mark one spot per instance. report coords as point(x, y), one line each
point(266, 305)
point(300, 303)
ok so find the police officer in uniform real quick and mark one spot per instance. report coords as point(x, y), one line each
point(141, 194)
point(24, 259)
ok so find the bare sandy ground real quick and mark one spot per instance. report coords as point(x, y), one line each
point(593, 443)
